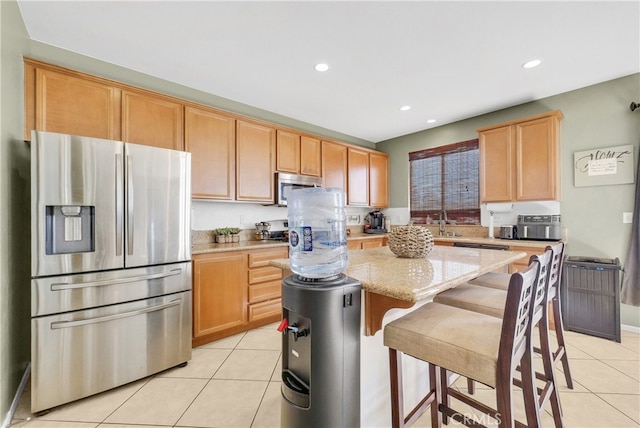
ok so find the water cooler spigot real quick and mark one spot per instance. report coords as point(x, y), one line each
point(284, 327)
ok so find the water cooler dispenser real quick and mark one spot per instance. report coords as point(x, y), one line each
point(320, 317)
point(320, 352)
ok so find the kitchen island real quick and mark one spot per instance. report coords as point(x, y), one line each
point(392, 287)
point(389, 281)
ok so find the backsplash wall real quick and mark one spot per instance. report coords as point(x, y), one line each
point(208, 215)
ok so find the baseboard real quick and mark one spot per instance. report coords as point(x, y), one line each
point(630, 328)
point(17, 396)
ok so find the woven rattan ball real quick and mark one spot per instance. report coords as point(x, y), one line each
point(410, 241)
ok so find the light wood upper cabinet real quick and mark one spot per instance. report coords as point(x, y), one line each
point(211, 139)
point(60, 102)
point(358, 177)
point(538, 159)
point(378, 180)
point(310, 156)
point(152, 120)
point(334, 165)
point(255, 162)
point(287, 152)
point(297, 154)
point(520, 160)
point(497, 164)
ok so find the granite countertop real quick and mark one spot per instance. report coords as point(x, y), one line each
point(236, 246)
point(496, 241)
point(382, 272)
point(212, 247)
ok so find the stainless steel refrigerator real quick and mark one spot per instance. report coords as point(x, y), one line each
point(110, 264)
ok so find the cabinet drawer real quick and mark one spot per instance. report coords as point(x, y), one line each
point(264, 274)
point(265, 291)
point(262, 257)
point(266, 309)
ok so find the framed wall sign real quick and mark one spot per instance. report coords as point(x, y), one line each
point(602, 167)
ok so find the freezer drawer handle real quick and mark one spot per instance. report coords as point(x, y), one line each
point(66, 286)
point(69, 324)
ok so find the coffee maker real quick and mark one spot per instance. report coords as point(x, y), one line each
point(374, 223)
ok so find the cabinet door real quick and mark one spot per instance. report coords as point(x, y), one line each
point(287, 152)
point(334, 165)
point(255, 162)
point(310, 158)
point(371, 243)
point(537, 160)
point(77, 106)
point(378, 180)
point(354, 244)
point(219, 292)
point(358, 176)
point(211, 139)
point(152, 121)
point(497, 160)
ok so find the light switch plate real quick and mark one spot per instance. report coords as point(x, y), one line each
point(353, 219)
point(627, 217)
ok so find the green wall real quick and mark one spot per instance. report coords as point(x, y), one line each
point(596, 116)
point(15, 306)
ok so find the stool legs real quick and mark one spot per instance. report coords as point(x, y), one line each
point(398, 419)
point(561, 352)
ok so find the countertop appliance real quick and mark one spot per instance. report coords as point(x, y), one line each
point(110, 265)
point(287, 183)
point(509, 231)
point(272, 230)
point(540, 227)
point(375, 222)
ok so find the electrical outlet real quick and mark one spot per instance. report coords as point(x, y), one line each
point(627, 217)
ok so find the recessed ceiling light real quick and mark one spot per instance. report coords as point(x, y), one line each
point(322, 67)
point(532, 63)
point(405, 108)
point(431, 121)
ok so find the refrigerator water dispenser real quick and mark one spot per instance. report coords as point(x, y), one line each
point(69, 229)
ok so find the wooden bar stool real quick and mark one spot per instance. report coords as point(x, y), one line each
point(491, 301)
point(500, 281)
point(483, 348)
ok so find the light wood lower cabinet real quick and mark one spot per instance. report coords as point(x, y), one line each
point(235, 291)
point(364, 243)
point(219, 294)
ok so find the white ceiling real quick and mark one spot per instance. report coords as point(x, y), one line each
point(448, 60)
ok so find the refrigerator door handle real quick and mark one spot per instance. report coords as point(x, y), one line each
point(87, 321)
point(129, 205)
point(119, 204)
point(60, 286)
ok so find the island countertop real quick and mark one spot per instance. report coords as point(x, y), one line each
point(411, 280)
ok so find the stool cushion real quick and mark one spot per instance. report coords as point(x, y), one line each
point(456, 339)
point(493, 280)
point(485, 300)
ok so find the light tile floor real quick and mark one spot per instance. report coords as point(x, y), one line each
point(234, 382)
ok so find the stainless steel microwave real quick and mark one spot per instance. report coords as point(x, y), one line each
point(286, 183)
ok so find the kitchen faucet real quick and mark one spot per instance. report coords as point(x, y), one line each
point(442, 221)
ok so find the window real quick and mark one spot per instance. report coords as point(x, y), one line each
point(445, 178)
